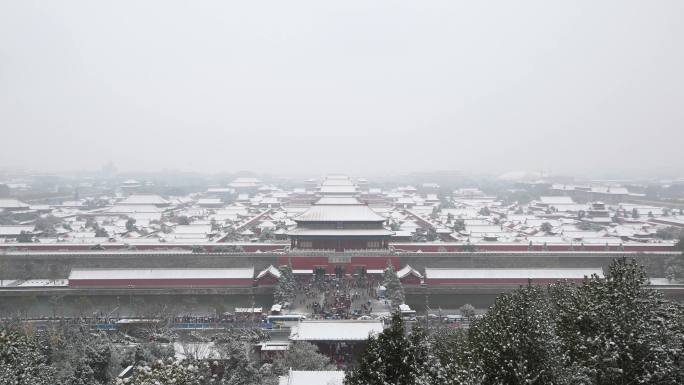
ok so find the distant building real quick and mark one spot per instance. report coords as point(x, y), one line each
point(597, 213)
point(338, 186)
point(13, 205)
point(210, 202)
point(331, 336)
point(505, 277)
point(161, 278)
point(14, 231)
point(610, 194)
point(339, 223)
point(145, 200)
point(130, 186)
point(245, 185)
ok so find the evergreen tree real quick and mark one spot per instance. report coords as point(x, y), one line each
point(620, 330)
point(171, 372)
point(240, 367)
point(468, 311)
point(286, 287)
point(452, 353)
point(302, 356)
point(101, 233)
point(427, 367)
point(24, 359)
point(387, 359)
point(24, 237)
point(394, 288)
point(130, 224)
point(516, 342)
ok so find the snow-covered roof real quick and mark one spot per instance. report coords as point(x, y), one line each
point(340, 232)
point(247, 272)
point(402, 233)
point(269, 270)
point(337, 180)
point(338, 189)
point(193, 229)
point(302, 271)
point(144, 200)
point(210, 201)
point(406, 270)
point(503, 273)
point(609, 190)
point(12, 204)
point(220, 190)
point(556, 200)
point(489, 229)
point(131, 209)
point(339, 213)
point(318, 377)
point(266, 225)
point(333, 200)
point(244, 182)
point(335, 330)
point(14, 230)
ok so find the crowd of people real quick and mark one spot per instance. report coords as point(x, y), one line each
point(337, 297)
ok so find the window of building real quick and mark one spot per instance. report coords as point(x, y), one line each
point(373, 244)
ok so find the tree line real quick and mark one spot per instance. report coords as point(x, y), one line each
point(601, 332)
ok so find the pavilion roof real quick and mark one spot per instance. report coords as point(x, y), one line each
point(339, 213)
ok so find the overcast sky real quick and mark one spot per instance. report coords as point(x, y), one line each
point(357, 87)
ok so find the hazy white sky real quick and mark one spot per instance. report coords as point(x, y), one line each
point(347, 86)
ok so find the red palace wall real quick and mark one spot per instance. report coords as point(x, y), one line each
point(214, 282)
point(267, 280)
point(248, 248)
point(410, 247)
point(329, 263)
point(492, 281)
point(446, 247)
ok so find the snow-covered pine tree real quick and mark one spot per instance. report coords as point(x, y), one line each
point(285, 289)
point(450, 348)
point(395, 290)
point(427, 367)
point(371, 367)
point(302, 356)
point(24, 359)
point(516, 342)
point(387, 359)
point(619, 331)
point(169, 371)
